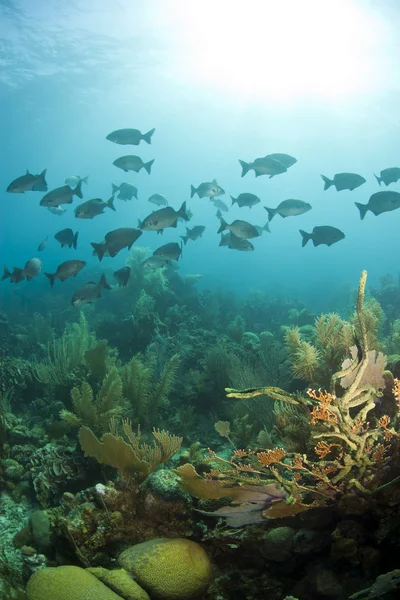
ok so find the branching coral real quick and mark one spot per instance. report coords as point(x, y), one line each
point(134, 457)
point(318, 359)
point(354, 448)
point(96, 412)
point(65, 354)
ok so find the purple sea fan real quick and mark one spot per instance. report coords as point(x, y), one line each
point(373, 374)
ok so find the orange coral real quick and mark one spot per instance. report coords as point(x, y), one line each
point(270, 457)
point(322, 412)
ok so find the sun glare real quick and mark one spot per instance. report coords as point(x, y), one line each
point(278, 49)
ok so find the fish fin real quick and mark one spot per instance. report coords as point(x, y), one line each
point(266, 227)
point(245, 167)
point(175, 224)
point(234, 200)
point(85, 179)
point(6, 274)
point(27, 172)
point(270, 177)
point(214, 181)
point(103, 283)
point(51, 277)
point(306, 237)
point(115, 189)
point(147, 136)
point(271, 212)
point(379, 179)
point(193, 191)
point(28, 277)
point(110, 203)
point(184, 238)
point(99, 249)
point(75, 240)
point(328, 182)
point(139, 224)
point(223, 226)
point(78, 191)
point(182, 212)
point(363, 208)
point(148, 166)
point(218, 213)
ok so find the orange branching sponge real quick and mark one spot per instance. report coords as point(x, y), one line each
point(269, 457)
point(322, 449)
point(396, 392)
point(323, 410)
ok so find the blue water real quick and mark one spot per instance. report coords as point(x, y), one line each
point(72, 72)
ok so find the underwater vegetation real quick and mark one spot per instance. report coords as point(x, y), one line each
point(251, 444)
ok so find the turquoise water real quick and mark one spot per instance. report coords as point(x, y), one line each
point(73, 73)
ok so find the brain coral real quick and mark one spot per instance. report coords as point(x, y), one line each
point(169, 569)
point(67, 583)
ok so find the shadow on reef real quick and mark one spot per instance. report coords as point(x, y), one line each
point(183, 444)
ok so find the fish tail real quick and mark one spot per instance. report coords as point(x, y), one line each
point(266, 227)
point(224, 225)
point(379, 179)
point(245, 167)
point(99, 249)
point(147, 136)
point(182, 212)
point(115, 189)
point(184, 238)
point(75, 240)
point(193, 191)
point(110, 203)
point(271, 212)
point(148, 165)
point(306, 237)
point(42, 176)
point(234, 200)
point(328, 182)
point(78, 190)
point(363, 208)
point(139, 224)
point(6, 274)
point(51, 277)
point(103, 283)
point(85, 179)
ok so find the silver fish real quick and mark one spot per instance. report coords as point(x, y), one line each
point(163, 218)
point(61, 195)
point(288, 208)
point(69, 268)
point(193, 234)
point(158, 199)
point(93, 208)
point(73, 180)
point(343, 181)
point(132, 163)
point(32, 268)
point(122, 276)
point(126, 191)
point(66, 237)
point(116, 240)
point(241, 229)
point(208, 189)
point(234, 243)
point(28, 183)
point(379, 203)
point(287, 160)
point(245, 199)
point(42, 244)
point(57, 210)
point(218, 203)
point(171, 251)
point(263, 166)
point(388, 176)
point(131, 137)
point(89, 292)
point(155, 262)
point(324, 234)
